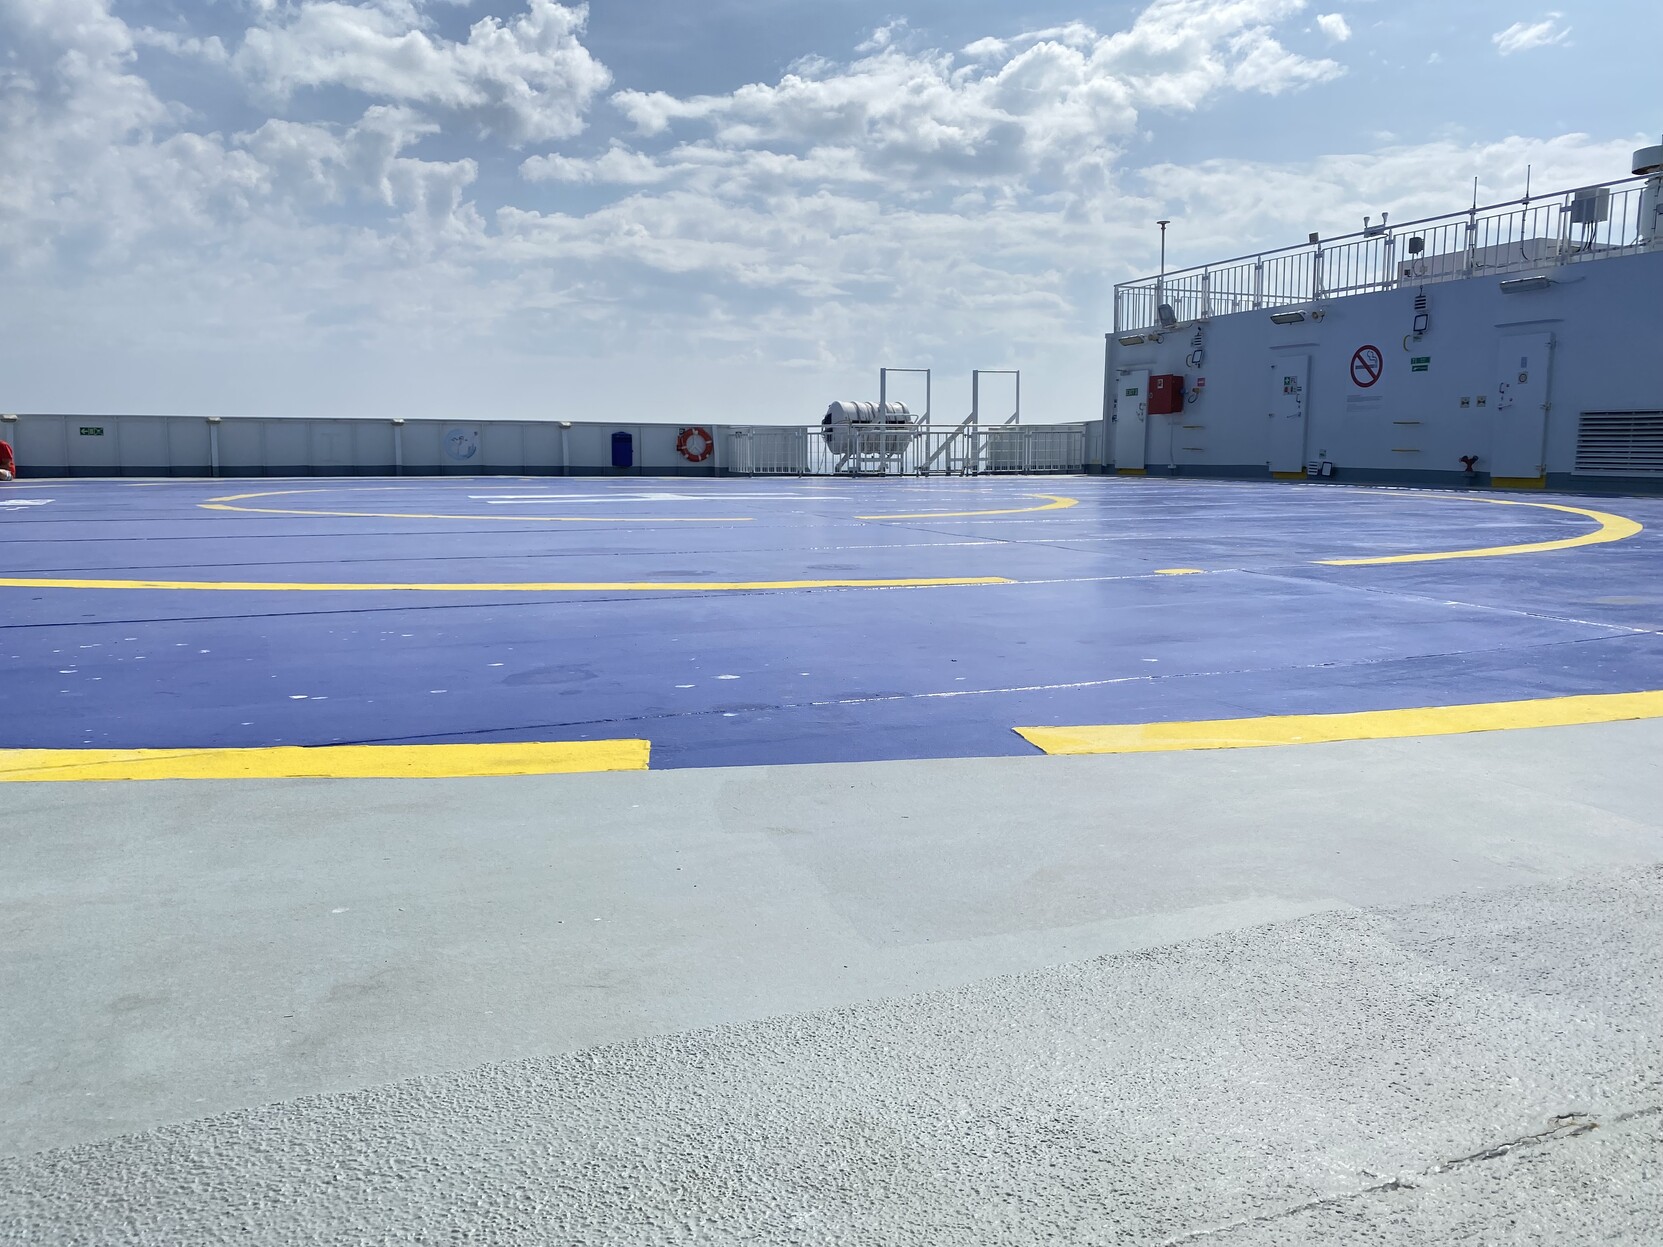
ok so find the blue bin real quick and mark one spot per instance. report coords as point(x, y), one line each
point(623, 450)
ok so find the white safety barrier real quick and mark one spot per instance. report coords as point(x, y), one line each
point(249, 446)
point(910, 450)
point(766, 451)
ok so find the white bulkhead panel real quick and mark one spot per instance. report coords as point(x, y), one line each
point(1131, 410)
point(1524, 375)
point(1290, 380)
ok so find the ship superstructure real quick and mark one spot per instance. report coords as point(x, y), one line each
point(1511, 345)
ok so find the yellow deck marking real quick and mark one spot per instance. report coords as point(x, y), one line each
point(553, 586)
point(1611, 528)
point(1310, 729)
point(1052, 503)
point(325, 762)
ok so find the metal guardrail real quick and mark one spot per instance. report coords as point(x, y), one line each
point(916, 450)
point(1589, 223)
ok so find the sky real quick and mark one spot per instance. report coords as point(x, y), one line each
point(727, 211)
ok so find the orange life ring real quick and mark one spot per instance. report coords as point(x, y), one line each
point(695, 444)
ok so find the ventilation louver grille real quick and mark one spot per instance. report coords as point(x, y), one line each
point(1620, 443)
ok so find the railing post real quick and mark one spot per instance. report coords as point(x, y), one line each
point(1258, 283)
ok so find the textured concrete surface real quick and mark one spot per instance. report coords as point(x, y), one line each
point(181, 949)
point(1605, 1187)
point(1335, 1078)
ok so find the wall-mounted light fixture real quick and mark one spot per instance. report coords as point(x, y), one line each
point(10, 417)
point(1131, 339)
point(1286, 318)
point(398, 420)
point(215, 419)
point(1518, 285)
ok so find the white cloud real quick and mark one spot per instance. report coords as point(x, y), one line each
point(363, 163)
point(98, 165)
point(528, 80)
point(1334, 26)
point(617, 167)
point(1002, 109)
point(211, 50)
point(883, 36)
point(1522, 36)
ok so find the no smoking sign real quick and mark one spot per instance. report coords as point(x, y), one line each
point(1367, 363)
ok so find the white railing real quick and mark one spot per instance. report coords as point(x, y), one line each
point(1593, 222)
point(910, 450)
point(768, 451)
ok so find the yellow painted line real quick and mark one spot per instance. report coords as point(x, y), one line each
point(1179, 571)
point(553, 586)
point(283, 493)
point(1611, 528)
point(325, 762)
point(1052, 503)
point(1310, 729)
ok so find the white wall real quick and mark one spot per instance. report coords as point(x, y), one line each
point(128, 445)
point(1604, 317)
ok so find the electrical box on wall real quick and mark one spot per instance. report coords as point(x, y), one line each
point(1166, 395)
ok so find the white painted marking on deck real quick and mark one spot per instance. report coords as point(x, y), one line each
point(517, 499)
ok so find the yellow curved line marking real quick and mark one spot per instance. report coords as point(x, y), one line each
point(1053, 503)
point(1310, 729)
point(1611, 528)
point(277, 493)
point(556, 586)
point(19, 766)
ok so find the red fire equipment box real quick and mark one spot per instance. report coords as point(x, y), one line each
point(1166, 395)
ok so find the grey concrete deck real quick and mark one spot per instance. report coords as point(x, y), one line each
point(1278, 995)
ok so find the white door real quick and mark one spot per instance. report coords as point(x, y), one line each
point(1518, 430)
point(1131, 410)
point(1290, 377)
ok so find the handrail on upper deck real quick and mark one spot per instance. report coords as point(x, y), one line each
point(1479, 239)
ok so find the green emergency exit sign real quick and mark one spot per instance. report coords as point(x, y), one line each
point(1420, 363)
point(92, 430)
